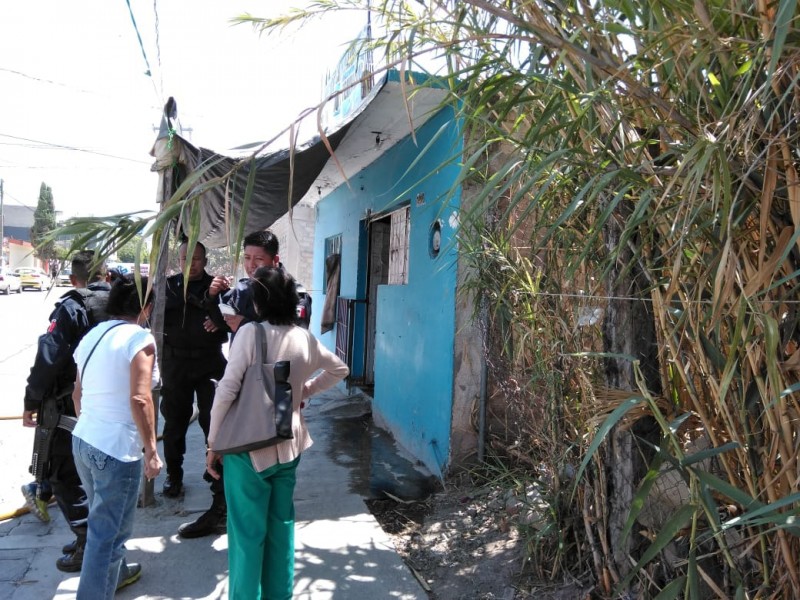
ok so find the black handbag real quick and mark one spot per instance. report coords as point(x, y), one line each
point(261, 415)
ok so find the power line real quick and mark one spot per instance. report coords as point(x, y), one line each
point(99, 94)
point(64, 168)
point(141, 46)
point(139, 37)
point(158, 50)
point(42, 80)
point(50, 145)
point(20, 202)
point(16, 145)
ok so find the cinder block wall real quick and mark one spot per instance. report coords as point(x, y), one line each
point(295, 233)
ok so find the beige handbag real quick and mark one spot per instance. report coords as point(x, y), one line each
point(261, 415)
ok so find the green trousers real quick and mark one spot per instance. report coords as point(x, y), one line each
point(260, 529)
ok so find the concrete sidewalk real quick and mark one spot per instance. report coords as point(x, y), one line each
point(341, 551)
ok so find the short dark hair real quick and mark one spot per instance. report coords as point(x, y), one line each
point(123, 300)
point(275, 295)
point(85, 269)
point(263, 239)
point(185, 242)
point(114, 275)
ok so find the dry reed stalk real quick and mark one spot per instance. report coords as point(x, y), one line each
point(605, 400)
point(711, 583)
point(588, 521)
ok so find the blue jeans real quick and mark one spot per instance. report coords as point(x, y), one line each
point(112, 488)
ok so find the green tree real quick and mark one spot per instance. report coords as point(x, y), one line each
point(44, 223)
point(132, 249)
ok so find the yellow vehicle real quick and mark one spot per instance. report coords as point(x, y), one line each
point(33, 277)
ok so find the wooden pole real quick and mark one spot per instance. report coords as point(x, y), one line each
point(157, 320)
point(167, 186)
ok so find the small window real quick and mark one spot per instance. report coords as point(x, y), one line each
point(333, 245)
point(398, 246)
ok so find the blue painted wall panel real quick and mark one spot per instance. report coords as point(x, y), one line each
point(415, 322)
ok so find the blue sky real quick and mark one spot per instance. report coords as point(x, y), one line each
point(78, 112)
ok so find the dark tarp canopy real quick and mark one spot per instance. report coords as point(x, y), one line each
point(276, 173)
point(390, 110)
point(270, 200)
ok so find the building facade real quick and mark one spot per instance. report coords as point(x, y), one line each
point(393, 222)
point(17, 248)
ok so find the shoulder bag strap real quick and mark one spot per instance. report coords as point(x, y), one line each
point(261, 357)
point(86, 362)
point(261, 344)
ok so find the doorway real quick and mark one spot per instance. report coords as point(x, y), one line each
point(382, 260)
point(377, 274)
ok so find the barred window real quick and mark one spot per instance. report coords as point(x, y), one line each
point(398, 246)
point(333, 245)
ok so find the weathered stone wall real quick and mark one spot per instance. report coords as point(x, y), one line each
point(295, 233)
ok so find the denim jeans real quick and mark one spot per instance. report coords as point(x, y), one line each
point(112, 488)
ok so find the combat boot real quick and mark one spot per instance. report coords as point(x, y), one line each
point(212, 522)
point(72, 562)
point(173, 486)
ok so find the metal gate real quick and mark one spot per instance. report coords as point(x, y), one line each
point(345, 329)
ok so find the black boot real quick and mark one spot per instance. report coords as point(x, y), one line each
point(72, 562)
point(212, 522)
point(173, 486)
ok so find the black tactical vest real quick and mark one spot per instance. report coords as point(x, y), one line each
point(94, 301)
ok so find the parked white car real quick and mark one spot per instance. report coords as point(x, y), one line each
point(63, 277)
point(9, 281)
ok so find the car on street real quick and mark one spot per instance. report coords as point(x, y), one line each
point(33, 277)
point(9, 281)
point(63, 277)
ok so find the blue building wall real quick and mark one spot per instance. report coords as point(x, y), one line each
point(415, 324)
point(17, 233)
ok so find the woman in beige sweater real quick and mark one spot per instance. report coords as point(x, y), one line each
point(259, 485)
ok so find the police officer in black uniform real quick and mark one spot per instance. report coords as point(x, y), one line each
point(52, 379)
point(192, 358)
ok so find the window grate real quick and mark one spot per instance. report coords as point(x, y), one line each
point(333, 245)
point(343, 324)
point(398, 246)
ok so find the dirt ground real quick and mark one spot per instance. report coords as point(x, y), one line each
point(464, 543)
